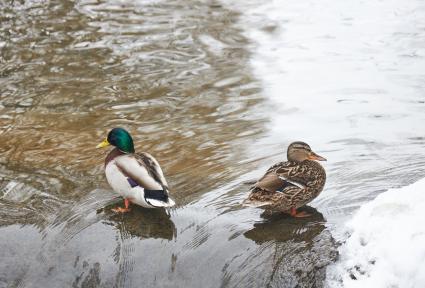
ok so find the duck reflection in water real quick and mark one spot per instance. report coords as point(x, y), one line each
point(144, 223)
point(293, 252)
point(281, 227)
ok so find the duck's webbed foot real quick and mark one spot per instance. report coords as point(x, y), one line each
point(296, 214)
point(121, 209)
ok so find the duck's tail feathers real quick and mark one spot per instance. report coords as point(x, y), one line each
point(158, 203)
point(253, 203)
point(158, 198)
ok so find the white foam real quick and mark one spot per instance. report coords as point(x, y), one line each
point(386, 246)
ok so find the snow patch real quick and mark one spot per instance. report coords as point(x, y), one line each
point(386, 246)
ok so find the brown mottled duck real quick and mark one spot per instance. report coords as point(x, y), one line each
point(286, 186)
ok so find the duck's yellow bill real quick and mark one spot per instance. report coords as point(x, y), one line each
point(104, 143)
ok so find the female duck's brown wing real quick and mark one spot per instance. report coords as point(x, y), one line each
point(153, 168)
point(271, 183)
point(276, 177)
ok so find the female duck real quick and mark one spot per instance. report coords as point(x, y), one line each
point(289, 185)
point(136, 177)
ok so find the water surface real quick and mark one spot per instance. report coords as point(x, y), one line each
point(216, 93)
point(176, 74)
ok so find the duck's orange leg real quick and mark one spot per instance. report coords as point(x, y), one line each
point(123, 210)
point(296, 214)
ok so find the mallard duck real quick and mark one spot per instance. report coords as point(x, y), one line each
point(135, 176)
point(289, 185)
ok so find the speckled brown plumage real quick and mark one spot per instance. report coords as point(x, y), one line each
point(288, 185)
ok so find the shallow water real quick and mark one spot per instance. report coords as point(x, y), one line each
point(187, 79)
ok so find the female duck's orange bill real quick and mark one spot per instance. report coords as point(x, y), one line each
point(314, 156)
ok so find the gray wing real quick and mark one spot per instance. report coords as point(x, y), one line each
point(153, 168)
point(132, 167)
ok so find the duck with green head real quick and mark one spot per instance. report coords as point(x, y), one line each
point(291, 184)
point(135, 176)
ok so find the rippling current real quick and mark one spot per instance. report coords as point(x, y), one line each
point(179, 76)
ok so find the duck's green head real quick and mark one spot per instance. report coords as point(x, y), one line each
point(119, 138)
